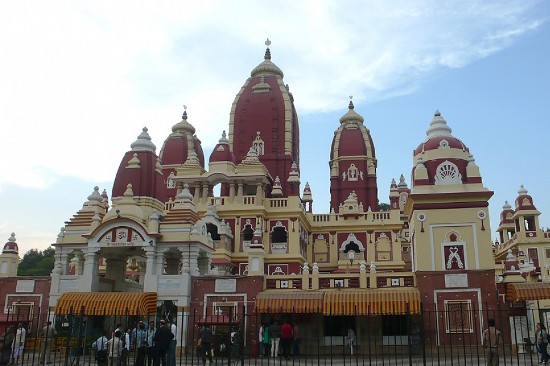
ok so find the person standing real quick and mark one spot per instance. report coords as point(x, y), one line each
point(286, 338)
point(162, 339)
point(151, 348)
point(171, 353)
point(205, 335)
point(297, 340)
point(140, 342)
point(541, 337)
point(351, 339)
point(48, 337)
point(114, 348)
point(275, 334)
point(266, 341)
point(18, 343)
point(101, 350)
point(261, 340)
point(491, 340)
point(6, 341)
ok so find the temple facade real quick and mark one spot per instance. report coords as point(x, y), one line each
point(239, 231)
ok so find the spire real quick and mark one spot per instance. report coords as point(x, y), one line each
point(402, 183)
point(438, 126)
point(294, 174)
point(351, 115)
point(306, 196)
point(223, 139)
point(267, 67)
point(277, 190)
point(267, 55)
point(143, 142)
point(183, 125)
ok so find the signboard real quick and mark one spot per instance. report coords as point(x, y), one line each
point(24, 286)
point(225, 285)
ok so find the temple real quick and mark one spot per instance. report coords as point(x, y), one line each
point(182, 234)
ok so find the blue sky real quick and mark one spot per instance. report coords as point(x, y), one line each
point(79, 80)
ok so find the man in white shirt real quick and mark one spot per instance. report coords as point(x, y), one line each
point(171, 354)
point(100, 346)
point(18, 343)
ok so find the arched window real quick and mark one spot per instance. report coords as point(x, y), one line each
point(248, 232)
point(279, 234)
point(213, 231)
point(447, 173)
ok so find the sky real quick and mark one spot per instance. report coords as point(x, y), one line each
point(80, 79)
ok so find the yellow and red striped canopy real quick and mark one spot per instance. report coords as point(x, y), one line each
point(107, 303)
point(289, 301)
point(371, 301)
point(528, 291)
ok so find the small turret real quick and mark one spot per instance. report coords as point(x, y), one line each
point(9, 259)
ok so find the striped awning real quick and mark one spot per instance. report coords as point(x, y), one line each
point(289, 301)
point(371, 301)
point(107, 303)
point(528, 291)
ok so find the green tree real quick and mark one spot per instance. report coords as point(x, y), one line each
point(384, 207)
point(37, 263)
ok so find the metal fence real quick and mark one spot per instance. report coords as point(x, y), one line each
point(450, 337)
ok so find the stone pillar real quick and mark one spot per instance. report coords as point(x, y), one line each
point(315, 277)
point(64, 263)
point(90, 278)
point(196, 194)
point(159, 264)
point(150, 279)
point(141, 271)
point(259, 193)
point(363, 275)
point(116, 271)
point(194, 262)
point(239, 192)
point(204, 193)
point(232, 192)
point(305, 277)
point(372, 276)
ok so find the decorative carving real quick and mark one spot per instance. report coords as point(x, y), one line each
point(447, 173)
point(454, 256)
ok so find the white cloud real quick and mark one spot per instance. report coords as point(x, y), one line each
point(81, 79)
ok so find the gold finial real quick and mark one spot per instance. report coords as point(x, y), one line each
point(350, 97)
point(268, 43)
point(184, 107)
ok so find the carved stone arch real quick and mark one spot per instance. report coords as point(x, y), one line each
point(352, 243)
point(120, 234)
point(247, 230)
point(279, 233)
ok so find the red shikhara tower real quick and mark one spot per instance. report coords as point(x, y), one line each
point(353, 163)
point(263, 117)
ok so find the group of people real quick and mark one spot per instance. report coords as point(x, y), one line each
point(151, 344)
point(12, 344)
point(279, 339)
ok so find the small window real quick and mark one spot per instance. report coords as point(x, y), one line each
point(279, 235)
